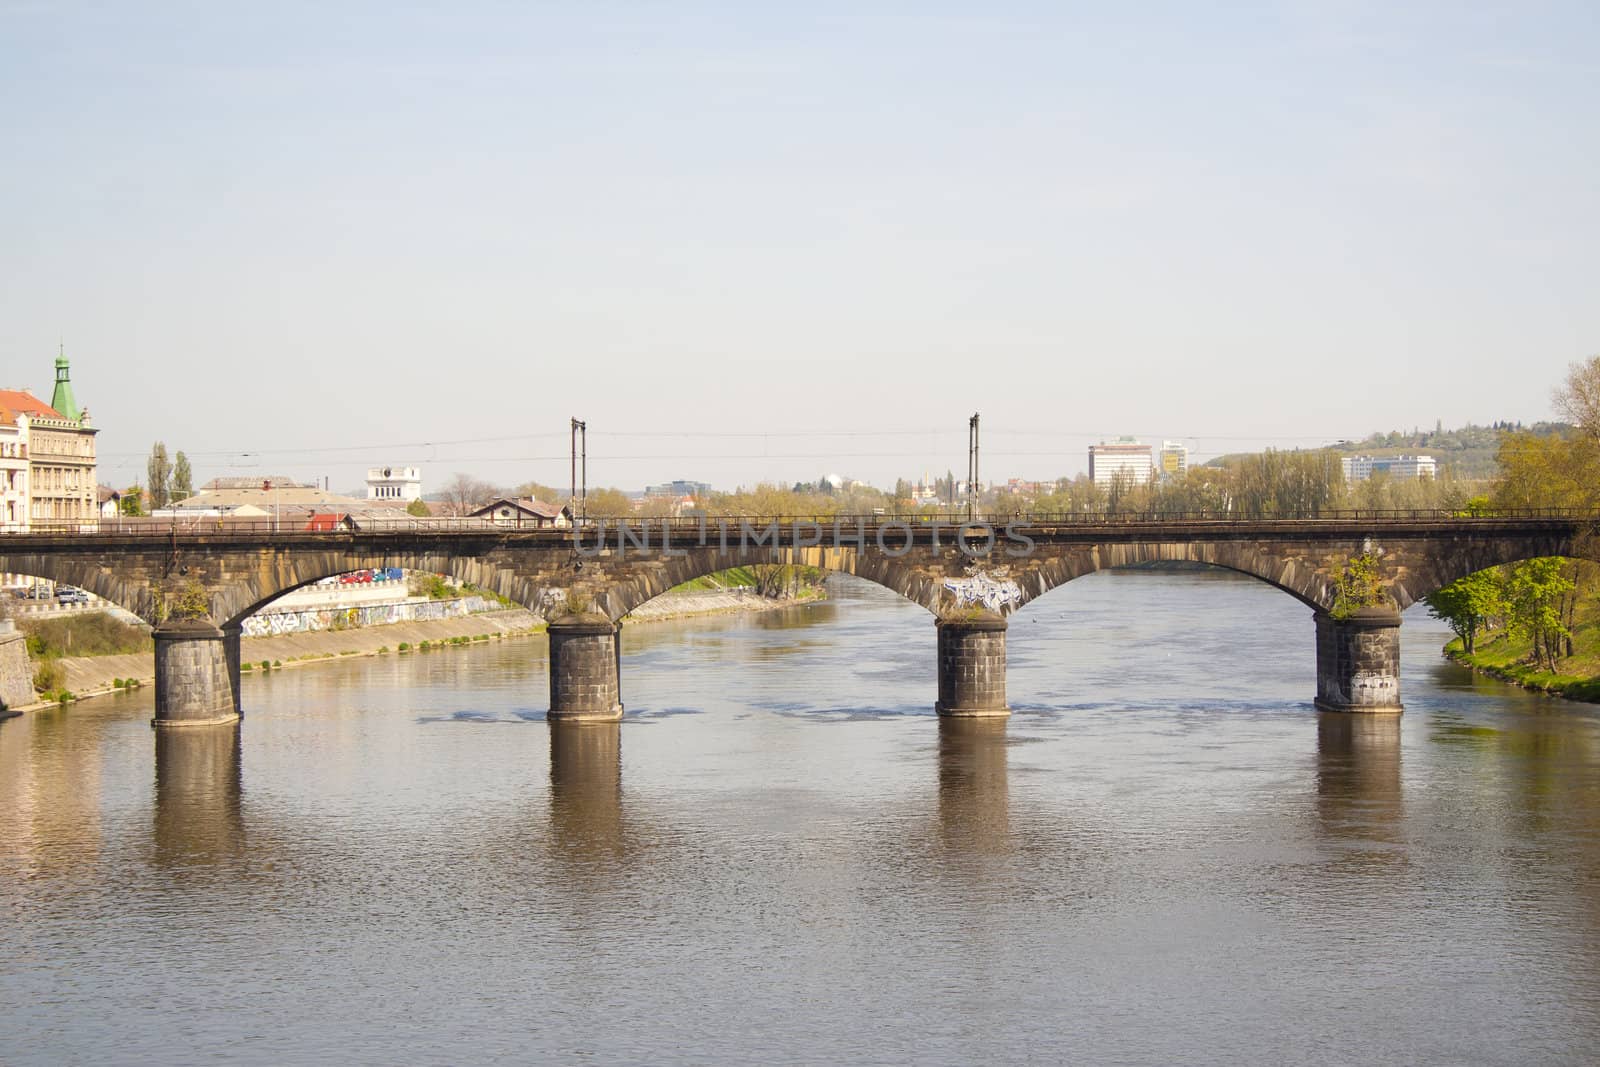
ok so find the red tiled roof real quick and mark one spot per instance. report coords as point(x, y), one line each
point(20, 400)
point(540, 508)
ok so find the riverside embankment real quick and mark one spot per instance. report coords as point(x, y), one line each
point(90, 676)
point(1514, 666)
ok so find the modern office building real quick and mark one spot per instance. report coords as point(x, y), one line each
point(1400, 468)
point(1124, 460)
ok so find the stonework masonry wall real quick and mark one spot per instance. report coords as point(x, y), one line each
point(972, 667)
point(193, 680)
point(1358, 662)
point(583, 669)
point(16, 672)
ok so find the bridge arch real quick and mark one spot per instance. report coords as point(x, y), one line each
point(658, 575)
point(86, 574)
point(1307, 583)
point(235, 601)
point(1463, 557)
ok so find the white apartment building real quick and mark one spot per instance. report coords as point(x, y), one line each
point(13, 471)
point(1124, 460)
point(394, 483)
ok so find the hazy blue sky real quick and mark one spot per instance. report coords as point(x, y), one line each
point(279, 235)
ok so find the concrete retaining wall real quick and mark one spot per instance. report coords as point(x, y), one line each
point(313, 620)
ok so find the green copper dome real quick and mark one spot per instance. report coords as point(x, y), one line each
point(63, 400)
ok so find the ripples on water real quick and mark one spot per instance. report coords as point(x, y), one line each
point(1164, 856)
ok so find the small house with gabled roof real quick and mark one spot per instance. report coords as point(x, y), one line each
point(521, 512)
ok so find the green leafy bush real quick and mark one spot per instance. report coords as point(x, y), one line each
point(192, 602)
point(1360, 586)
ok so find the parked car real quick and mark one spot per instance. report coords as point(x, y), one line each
point(68, 594)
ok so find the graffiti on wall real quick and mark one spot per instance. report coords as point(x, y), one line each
point(266, 624)
point(982, 589)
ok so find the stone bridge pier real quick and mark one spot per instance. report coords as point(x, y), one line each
point(585, 669)
point(1358, 661)
point(197, 673)
point(972, 667)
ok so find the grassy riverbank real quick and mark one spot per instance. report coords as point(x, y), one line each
point(767, 579)
point(1500, 656)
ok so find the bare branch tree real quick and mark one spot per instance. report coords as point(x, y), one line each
point(772, 579)
point(464, 494)
point(1578, 399)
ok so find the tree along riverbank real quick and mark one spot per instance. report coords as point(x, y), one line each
point(99, 675)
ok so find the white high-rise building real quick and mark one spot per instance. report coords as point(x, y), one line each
point(394, 483)
point(1174, 459)
point(1124, 460)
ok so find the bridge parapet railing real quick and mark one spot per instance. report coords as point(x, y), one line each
point(1102, 518)
point(213, 527)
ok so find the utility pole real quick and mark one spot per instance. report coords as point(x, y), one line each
point(972, 468)
point(267, 485)
point(580, 462)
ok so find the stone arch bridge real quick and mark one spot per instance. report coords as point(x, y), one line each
point(196, 587)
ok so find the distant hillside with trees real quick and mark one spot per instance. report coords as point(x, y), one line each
point(1466, 453)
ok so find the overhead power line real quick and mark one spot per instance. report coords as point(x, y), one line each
point(1072, 435)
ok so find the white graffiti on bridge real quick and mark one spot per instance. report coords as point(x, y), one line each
point(994, 593)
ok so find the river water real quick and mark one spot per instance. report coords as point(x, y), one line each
point(1166, 855)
